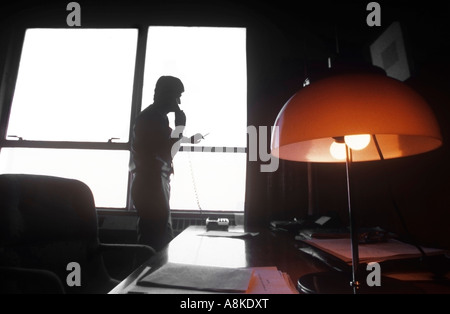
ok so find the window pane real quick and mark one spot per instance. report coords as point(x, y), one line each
point(104, 171)
point(74, 85)
point(211, 62)
point(216, 180)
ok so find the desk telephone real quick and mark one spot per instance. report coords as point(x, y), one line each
point(217, 224)
point(295, 225)
point(329, 227)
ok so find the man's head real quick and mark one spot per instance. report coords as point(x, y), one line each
point(168, 91)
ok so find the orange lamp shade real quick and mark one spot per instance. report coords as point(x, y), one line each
point(350, 104)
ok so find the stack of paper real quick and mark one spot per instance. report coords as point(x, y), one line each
point(221, 279)
point(375, 252)
point(270, 280)
point(259, 280)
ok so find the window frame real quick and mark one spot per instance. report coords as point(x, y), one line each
point(7, 89)
point(109, 145)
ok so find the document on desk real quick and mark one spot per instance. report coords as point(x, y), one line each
point(197, 277)
point(228, 234)
point(375, 252)
point(270, 280)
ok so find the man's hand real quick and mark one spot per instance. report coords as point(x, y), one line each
point(195, 139)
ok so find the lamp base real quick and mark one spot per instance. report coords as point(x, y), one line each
point(339, 283)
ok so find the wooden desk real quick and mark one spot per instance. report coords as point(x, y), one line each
point(268, 248)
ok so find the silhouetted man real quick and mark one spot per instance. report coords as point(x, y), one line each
point(153, 148)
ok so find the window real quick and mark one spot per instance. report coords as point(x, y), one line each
point(211, 62)
point(104, 171)
point(73, 104)
point(74, 86)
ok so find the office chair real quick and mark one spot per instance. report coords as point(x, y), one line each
point(46, 223)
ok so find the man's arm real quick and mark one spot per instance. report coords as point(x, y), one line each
point(194, 139)
point(177, 135)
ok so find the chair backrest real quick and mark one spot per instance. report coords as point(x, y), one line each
point(36, 208)
point(48, 222)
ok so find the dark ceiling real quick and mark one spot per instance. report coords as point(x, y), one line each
point(316, 23)
point(286, 38)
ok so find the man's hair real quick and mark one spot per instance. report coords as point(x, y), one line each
point(168, 86)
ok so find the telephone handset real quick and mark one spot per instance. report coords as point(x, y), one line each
point(180, 117)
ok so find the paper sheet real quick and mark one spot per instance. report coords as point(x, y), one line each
point(376, 252)
point(228, 234)
point(197, 277)
point(269, 280)
point(264, 280)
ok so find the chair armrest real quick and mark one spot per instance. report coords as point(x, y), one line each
point(121, 259)
point(138, 248)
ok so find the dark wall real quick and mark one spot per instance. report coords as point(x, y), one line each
point(409, 196)
point(286, 41)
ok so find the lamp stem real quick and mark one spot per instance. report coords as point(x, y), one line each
point(354, 283)
point(310, 191)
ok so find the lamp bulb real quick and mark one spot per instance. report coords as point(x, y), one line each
point(337, 150)
point(357, 142)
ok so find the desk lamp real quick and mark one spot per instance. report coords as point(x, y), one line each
point(353, 117)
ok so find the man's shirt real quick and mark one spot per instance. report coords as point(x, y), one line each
point(152, 142)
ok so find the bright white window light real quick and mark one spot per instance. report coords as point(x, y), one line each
point(104, 171)
point(211, 181)
point(211, 62)
point(74, 85)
